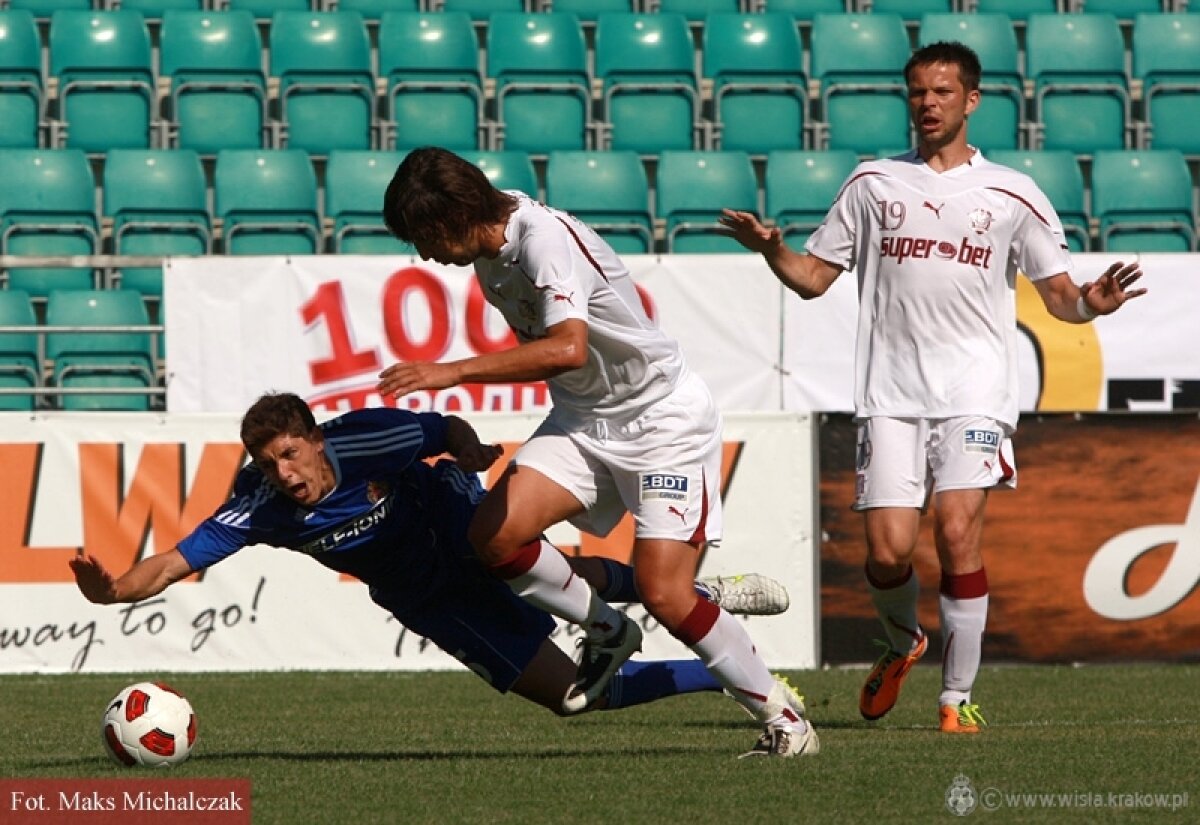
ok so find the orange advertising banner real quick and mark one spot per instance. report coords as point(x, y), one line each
point(1094, 557)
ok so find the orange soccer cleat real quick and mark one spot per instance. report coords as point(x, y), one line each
point(962, 719)
point(883, 685)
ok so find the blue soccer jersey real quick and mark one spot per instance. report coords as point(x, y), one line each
point(391, 520)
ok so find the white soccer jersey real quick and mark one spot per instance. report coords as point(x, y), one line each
point(937, 256)
point(553, 267)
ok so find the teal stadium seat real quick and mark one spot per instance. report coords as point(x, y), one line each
point(697, 11)
point(1166, 58)
point(20, 366)
point(692, 189)
point(507, 170)
point(542, 85)
point(1143, 201)
point(22, 88)
point(912, 10)
point(157, 201)
point(48, 208)
point(802, 186)
point(858, 60)
point(326, 86)
point(430, 63)
point(1081, 93)
point(1058, 175)
point(1123, 10)
point(999, 120)
point(759, 92)
point(646, 66)
point(805, 11)
point(264, 10)
point(217, 96)
point(153, 10)
point(480, 11)
point(106, 88)
point(100, 360)
point(589, 11)
point(372, 11)
point(608, 191)
point(1019, 11)
point(354, 185)
point(267, 201)
point(43, 9)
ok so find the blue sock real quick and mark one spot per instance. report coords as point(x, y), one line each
point(621, 587)
point(639, 682)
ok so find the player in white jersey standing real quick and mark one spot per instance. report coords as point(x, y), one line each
point(630, 429)
point(936, 237)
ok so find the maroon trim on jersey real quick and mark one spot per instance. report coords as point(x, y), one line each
point(698, 536)
point(583, 249)
point(1028, 205)
point(965, 586)
point(847, 184)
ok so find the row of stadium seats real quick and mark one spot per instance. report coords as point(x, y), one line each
point(158, 203)
point(642, 86)
point(81, 365)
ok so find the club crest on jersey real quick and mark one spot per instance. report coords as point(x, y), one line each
point(981, 441)
point(664, 487)
point(377, 490)
point(981, 220)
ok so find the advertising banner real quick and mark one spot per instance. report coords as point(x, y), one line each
point(121, 486)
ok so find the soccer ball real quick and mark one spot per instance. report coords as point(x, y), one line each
point(148, 723)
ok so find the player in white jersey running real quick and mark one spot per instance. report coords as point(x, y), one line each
point(631, 429)
point(936, 237)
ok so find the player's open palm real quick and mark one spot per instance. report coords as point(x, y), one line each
point(747, 230)
point(1112, 289)
point(94, 581)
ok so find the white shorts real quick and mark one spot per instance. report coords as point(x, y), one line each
point(901, 461)
point(663, 467)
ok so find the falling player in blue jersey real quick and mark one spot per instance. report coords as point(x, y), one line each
point(354, 494)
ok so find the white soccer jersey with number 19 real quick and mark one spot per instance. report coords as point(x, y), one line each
point(553, 267)
point(937, 256)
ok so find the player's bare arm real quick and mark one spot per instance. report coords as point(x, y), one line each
point(806, 275)
point(1108, 293)
point(147, 578)
point(463, 443)
point(563, 349)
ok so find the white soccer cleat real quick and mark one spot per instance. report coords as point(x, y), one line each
point(751, 594)
point(786, 741)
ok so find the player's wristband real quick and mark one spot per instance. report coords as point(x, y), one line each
point(1085, 311)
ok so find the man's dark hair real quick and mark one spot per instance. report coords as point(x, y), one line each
point(969, 70)
point(273, 415)
point(436, 194)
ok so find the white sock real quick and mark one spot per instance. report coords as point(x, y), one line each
point(551, 584)
point(896, 604)
point(963, 622)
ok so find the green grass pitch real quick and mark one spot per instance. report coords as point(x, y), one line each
point(443, 748)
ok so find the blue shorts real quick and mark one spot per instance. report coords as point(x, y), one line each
point(482, 623)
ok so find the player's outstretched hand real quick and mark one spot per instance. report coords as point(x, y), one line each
point(1112, 289)
point(401, 379)
point(747, 230)
point(94, 581)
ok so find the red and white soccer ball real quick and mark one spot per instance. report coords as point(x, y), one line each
point(149, 723)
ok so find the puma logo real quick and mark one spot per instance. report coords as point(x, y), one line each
point(937, 210)
point(675, 511)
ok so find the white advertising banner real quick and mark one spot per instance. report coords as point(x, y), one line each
point(120, 486)
point(324, 327)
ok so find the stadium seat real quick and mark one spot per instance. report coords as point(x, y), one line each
point(646, 65)
point(913, 10)
point(153, 10)
point(266, 9)
point(481, 10)
point(1081, 93)
point(267, 200)
point(1019, 11)
point(1124, 10)
point(326, 87)
point(801, 188)
point(100, 360)
point(693, 188)
point(1166, 58)
point(22, 90)
point(372, 11)
point(43, 9)
point(158, 203)
point(218, 90)
point(106, 87)
point(1143, 201)
point(48, 208)
point(697, 11)
point(543, 89)
point(354, 185)
point(998, 121)
point(608, 191)
point(430, 63)
point(759, 92)
point(1058, 175)
point(805, 11)
point(507, 170)
point(20, 366)
point(858, 60)
point(589, 11)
